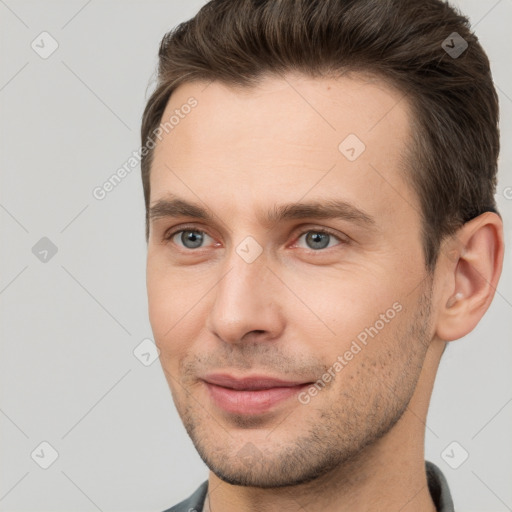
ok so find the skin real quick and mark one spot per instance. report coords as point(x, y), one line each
point(358, 444)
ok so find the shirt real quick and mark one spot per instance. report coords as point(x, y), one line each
point(437, 485)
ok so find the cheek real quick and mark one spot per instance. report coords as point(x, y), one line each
point(340, 303)
point(166, 301)
point(174, 307)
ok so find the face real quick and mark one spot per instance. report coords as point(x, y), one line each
point(286, 280)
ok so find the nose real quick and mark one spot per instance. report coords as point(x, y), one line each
point(246, 304)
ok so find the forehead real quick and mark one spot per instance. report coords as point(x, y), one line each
point(283, 139)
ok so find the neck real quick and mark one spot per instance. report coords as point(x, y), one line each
point(387, 475)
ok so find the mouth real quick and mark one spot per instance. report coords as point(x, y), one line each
point(255, 394)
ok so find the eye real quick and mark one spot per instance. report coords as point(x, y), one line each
point(190, 238)
point(319, 239)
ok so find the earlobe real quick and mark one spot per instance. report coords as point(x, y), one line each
point(473, 271)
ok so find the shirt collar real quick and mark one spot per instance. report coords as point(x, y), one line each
point(438, 487)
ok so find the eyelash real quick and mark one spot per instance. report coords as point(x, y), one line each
point(168, 236)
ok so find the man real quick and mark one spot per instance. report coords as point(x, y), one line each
point(319, 179)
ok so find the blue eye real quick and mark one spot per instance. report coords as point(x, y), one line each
point(190, 238)
point(318, 239)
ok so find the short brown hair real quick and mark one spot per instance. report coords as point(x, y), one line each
point(452, 162)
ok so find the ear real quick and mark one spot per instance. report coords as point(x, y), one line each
point(471, 268)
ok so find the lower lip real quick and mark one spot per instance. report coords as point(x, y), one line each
point(251, 402)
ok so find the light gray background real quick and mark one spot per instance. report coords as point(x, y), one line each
point(69, 326)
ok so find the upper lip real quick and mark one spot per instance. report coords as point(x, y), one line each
point(250, 383)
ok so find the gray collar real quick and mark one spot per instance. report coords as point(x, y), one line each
point(438, 487)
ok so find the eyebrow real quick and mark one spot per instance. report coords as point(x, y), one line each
point(328, 209)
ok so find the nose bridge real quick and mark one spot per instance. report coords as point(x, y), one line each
point(244, 300)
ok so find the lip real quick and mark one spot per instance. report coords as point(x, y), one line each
point(253, 394)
